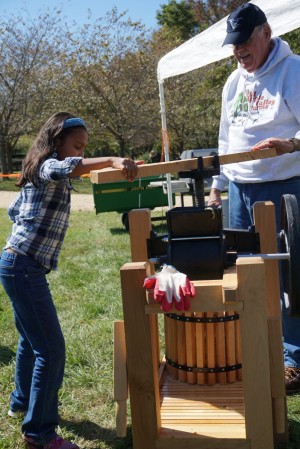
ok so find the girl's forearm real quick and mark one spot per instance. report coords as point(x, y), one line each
point(127, 166)
point(94, 163)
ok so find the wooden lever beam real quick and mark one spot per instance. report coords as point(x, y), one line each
point(161, 168)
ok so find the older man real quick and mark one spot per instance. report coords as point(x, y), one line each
point(260, 109)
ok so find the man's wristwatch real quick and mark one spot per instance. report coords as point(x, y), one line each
point(296, 144)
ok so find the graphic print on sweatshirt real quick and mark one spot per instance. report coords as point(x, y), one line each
point(249, 105)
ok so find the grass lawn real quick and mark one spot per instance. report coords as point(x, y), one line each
point(86, 290)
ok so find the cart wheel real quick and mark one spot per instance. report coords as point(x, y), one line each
point(125, 220)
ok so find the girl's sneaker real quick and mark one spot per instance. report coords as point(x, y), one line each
point(18, 414)
point(55, 443)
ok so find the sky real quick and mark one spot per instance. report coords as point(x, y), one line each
point(77, 10)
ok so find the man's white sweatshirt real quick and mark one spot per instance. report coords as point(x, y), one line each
point(256, 106)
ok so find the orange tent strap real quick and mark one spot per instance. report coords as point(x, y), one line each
point(165, 140)
point(11, 175)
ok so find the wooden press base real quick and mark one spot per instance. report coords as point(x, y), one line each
point(169, 414)
point(195, 411)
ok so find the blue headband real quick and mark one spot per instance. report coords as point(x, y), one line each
point(70, 122)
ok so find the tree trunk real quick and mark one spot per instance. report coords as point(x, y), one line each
point(122, 147)
point(3, 157)
point(9, 158)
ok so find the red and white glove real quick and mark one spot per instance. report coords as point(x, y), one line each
point(171, 288)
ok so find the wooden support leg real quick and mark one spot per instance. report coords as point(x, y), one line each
point(140, 227)
point(265, 224)
point(141, 358)
point(255, 353)
point(120, 378)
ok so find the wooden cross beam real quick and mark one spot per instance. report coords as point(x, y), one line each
point(161, 168)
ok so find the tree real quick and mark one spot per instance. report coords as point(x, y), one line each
point(293, 40)
point(208, 12)
point(106, 72)
point(28, 51)
point(186, 18)
point(113, 81)
point(193, 105)
point(178, 18)
point(193, 100)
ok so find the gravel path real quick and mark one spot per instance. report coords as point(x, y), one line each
point(83, 202)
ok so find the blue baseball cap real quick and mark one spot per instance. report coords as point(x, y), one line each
point(241, 23)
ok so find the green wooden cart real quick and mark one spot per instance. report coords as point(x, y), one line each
point(123, 196)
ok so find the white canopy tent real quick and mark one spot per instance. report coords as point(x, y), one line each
point(206, 48)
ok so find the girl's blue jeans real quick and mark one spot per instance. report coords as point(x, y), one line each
point(40, 355)
point(241, 201)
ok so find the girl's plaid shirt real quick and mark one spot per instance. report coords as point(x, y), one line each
point(40, 215)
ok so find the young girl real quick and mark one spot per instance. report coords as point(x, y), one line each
point(40, 216)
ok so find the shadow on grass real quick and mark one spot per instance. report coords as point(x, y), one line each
point(118, 231)
point(124, 443)
point(93, 432)
point(294, 436)
point(157, 229)
point(6, 355)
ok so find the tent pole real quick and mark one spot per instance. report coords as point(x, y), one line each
point(165, 141)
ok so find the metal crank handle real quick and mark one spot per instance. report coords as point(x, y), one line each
point(276, 256)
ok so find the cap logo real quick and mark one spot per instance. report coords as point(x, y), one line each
point(234, 23)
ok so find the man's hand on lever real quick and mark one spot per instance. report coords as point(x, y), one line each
point(214, 198)
point(282, 146)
